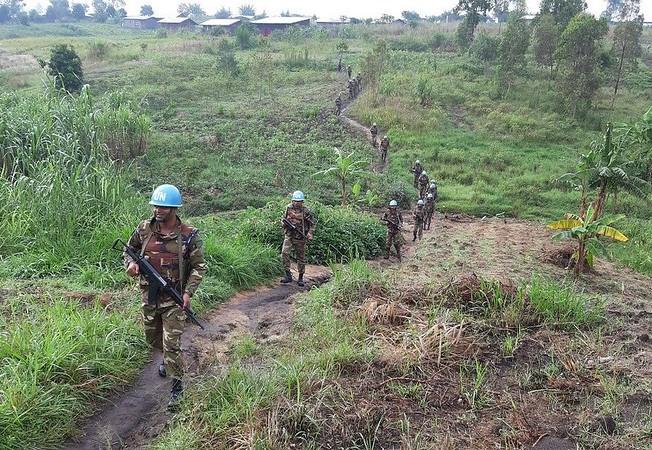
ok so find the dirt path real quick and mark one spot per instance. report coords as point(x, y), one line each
point(357, 128)
point(132, 419)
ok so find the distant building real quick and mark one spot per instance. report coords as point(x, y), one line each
point(228, 25)
point(332, 23)
point(243, 18)
point(268, 24)
point(178, 24)
point(141, 22)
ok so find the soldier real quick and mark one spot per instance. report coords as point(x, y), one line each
point(394, 221)
point(302, 227)
point(418, 215)
point(423, 184)
point(339, 65)
point(374, 134)
point(430, 210)
point(349, 71)
point(384, 146)
point(351, 87)
point(358, 79)
point(432, 189)
point(416, 169)
point(338, 104)
point(175, 250)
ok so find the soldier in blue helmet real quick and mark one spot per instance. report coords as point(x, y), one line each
point(298, 226)
point(175, 250)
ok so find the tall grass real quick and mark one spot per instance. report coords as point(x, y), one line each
point(63, 198)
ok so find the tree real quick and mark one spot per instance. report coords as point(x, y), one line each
point(346, 167)
point(410, 16)
point(223, 13)
point(586, 230)
point(65, 67)
point(226, 62)
point(146, 10)
point(501, 11)
point(511, 52)
point(627, 40)
point(244, 36)
point(386, 18)
point(190, 10)
point(485, 48)
point(247, 10)
point(474, 9)
point(577, 60)
point(562, 10)
point(285, 13)
point(622, 10)
point(57, 10)
point(544, 41)
point(79, 11)
point(5, 14)
point(100, 8)
point(373, 68)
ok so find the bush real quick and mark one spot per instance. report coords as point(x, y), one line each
point(65, 67)
point(484, 48)
point(98, 49)
point(341, 233)
point(244, 36)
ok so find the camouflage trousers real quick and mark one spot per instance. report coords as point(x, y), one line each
point(394, 238)
point(163, 329)
point(428, 219)
point(417, 231)
point(422, 191)
point(416, 180)
point(299, 246)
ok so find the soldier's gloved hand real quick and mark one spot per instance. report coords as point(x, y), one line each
point(133, 270)
point(186, 300)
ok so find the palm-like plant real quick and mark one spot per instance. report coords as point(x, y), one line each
point(586, 230)
point(605, 168)
point(345, 168)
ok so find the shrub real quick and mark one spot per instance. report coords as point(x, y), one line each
point(341, 233)
point(98, 49)
point(484, 47)
point(244, 36)
point(65, 67)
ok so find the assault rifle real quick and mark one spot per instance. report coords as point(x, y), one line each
point(292, 227)
point(157, 282)
point(396, 225)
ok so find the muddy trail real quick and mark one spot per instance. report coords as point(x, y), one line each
point(135, 417)
point(357, 128)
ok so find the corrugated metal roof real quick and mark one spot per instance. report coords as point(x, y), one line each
point(280, 20)
point(176, 20)
point(220, 22)
point(142, 18)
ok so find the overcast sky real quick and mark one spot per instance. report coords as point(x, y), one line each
point(326, 8)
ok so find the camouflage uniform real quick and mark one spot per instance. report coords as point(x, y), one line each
point(351, 88)
point(349, 71)
point(163, 320)
point(394, 236)
point(304, 221)
point(423, 185)
point(338, 105)
point(433, 190)
point(418, 214)
point(339, 65)
point(416, 170)
point(384, 146)
point(374, 134)
point(430, 210)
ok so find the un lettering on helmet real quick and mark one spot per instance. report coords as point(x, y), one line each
point(159, 195)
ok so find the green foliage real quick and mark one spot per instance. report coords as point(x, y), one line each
point(576, 56)
point(244, 36)
point(484, 47)
point(226, 61)
point(65, 67)
point(146, 10)
point(511, 54)
point(341, 233)
point(345, 169)
point(424, 91)
point(544, 40)
point(562, 10)
point(562, 306)
point(57, 359)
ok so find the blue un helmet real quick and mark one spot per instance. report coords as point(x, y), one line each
point(420, 203)
point(298, 196)
point(393, 204)
point(167, 196)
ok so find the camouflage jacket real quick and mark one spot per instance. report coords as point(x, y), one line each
point(393, 215)
point(418, 214)
point(301, 218)
point(384, 143)
point(430, 205)
point(423, 179)
point(417, 169)
point(433, 190)
point(373, 130)
point(164, 251)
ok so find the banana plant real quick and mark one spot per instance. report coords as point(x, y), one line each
point(587, 231)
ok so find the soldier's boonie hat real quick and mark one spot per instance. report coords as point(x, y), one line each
point(298, 196)
point(166, 195)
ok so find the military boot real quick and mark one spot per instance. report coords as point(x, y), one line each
point(175, 395)
point(161, 370)
point(300, 280)
point(414, 236)
point(287, 278)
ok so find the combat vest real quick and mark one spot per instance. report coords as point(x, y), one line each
point(296, 217)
